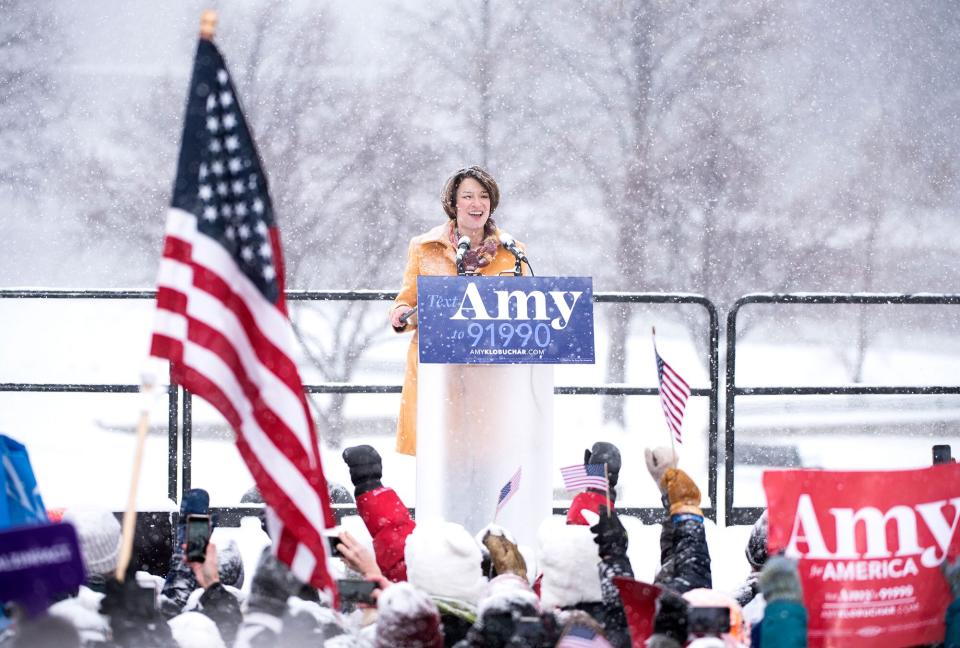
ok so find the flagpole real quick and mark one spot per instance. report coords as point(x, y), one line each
point(147, 389)
point(653, 331)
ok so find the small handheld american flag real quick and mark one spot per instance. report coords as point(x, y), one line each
point(674, 392)
point(581, 636)
point(582, 476)
point(508, 490)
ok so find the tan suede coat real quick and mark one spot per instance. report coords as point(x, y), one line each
point(429, 254)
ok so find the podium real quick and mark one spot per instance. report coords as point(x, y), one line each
point(485, 394)
point(476, 424)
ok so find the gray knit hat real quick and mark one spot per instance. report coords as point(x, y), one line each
point(99, 534)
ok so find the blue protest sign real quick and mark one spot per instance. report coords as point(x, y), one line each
point(20, 501)
point(505, 320)
point(37, 563)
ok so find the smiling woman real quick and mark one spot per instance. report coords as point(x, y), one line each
point(469, 198)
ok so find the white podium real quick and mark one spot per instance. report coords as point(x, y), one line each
point(476, 424)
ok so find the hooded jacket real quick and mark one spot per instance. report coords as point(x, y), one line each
point(389, 524)
point(429, 254)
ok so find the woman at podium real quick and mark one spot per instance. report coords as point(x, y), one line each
point(469, 198)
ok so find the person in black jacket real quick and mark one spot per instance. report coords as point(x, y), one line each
point(216, 602)
point(684, 555)
point(611, 539)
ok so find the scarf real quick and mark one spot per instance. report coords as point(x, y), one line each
point(479, 257)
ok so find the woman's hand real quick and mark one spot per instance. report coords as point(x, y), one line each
point(356, 556)
point(395, 316)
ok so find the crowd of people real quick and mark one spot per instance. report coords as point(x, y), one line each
point(432, 583)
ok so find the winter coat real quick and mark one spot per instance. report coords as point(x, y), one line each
point(684, 555)
point(389, 524)
point(588, 500)
point(224, 609)
point(784, 625)
point(613, 617)
point(429, 254)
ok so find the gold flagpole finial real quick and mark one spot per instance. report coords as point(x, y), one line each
point(208, 24)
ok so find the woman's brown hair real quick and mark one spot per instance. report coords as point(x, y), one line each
point(449, 195)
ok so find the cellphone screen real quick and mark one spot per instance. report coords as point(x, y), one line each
point(332, 542)
point(708, 620)
point(356, 591)
point(198, 535)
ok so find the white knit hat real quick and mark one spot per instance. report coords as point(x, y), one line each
point(569, 558)
point(444, 560)
point(99, 535)
point(195, 630)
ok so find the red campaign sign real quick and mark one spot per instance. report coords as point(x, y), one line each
point(869, 546)
point(640, 607)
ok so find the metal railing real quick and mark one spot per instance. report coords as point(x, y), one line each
point(748, 515)
point(182, 408)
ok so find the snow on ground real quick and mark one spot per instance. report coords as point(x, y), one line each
point(81, 444)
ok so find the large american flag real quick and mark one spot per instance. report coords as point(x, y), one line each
point(674, 392)
point(222, 320)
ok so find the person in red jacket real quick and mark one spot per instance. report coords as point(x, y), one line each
point(592, 498)
point(382, 511)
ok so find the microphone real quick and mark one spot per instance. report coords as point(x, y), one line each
point(462, 246)
point(510, 244)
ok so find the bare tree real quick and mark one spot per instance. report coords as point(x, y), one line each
point(29, 88)
point(650, 114)
point(343, 166)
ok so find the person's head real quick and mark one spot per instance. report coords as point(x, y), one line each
point(443, 559)
point(469, 197)
point(407, 618)
point(739, 633)
point(99, 534)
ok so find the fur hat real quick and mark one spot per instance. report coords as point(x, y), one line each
point(99, 535)
point(568, 557)
point(509, 592)
point(407, 618)
point(443, 559)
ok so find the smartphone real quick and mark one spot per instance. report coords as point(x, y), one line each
point(333, 542)
point(941, 454)
point(145, 600)
point(708, 620)
point(356, 591)
point(197, 537)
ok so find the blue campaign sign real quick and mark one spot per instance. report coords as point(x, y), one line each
point(38, 563)
point(505, 320)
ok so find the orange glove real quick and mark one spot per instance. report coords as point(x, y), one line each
point(683, 494)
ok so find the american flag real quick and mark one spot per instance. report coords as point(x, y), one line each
point(509, 489)
point(585, 476)
point(581, 636)
point(674, 392)
point(222, 320)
